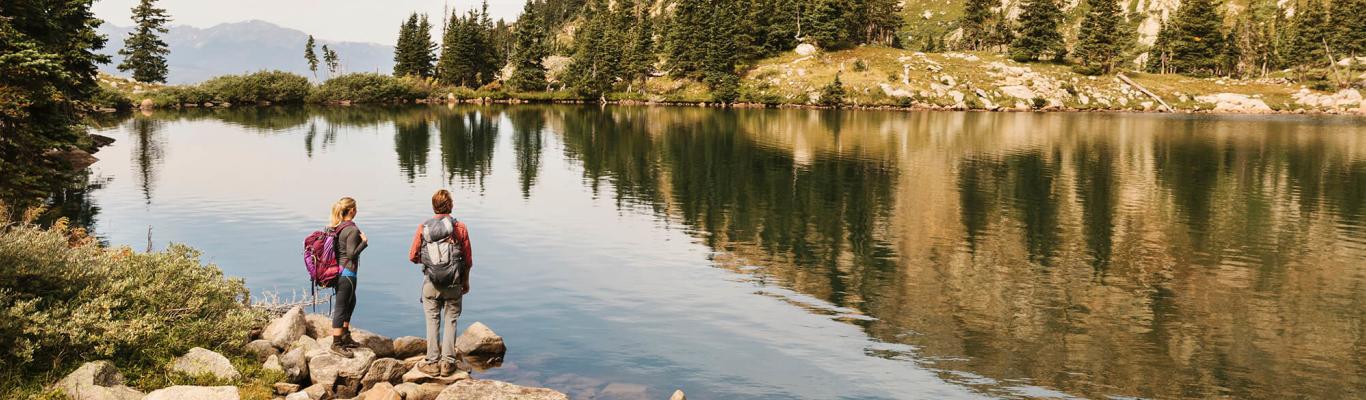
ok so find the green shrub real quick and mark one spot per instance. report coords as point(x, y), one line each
point(860, 65)
point(832, 95)
point(65, 299)
point(272, 86)
point(369, 88)
point(725, 88)
point(174, 95)
point(107, 97)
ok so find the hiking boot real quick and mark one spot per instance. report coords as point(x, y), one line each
point(339, 349)
point(447, 368)
point(348, 342)
point(430, 368)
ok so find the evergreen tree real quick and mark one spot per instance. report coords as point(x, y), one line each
point(529, 52)
point(975, 23)
point(1161, 55)
point(596, 60)
point(1348, 19)
point(467, 57)
point(1038, 34)
point(331, 59)
point(1001, 32)
point(311, 57)
point(1197, 40)
point(1230, 59)
point(1311, 30)
point(404, 52)
point(830, 24)
point(686, 34)
point(833, 94)
point(48, 72)
point(639, 54)
point(424, 55)
point(143, 51)
point(1098, 42)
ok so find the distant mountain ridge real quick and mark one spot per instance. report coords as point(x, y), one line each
point(198, 54)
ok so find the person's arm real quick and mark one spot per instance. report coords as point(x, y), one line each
point(463, 234)
point(414, 251)
point(351, 246)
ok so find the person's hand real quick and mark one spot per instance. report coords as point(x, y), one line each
point(363, 238)
point(465, 289)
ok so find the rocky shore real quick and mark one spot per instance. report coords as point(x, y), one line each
point(295, 346)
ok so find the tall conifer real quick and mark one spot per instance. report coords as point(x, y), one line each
point(310, 56)
point(1098, 42)
point(1038, 34)
point(144, 52)
point(529, 50)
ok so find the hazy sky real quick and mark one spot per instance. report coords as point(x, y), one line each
point(350, 20)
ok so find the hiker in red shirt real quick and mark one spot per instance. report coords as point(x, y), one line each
point(442, 246)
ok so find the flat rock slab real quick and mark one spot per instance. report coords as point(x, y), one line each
point(97, 380)
point(471, 389)
point(199, 361)
point(195, 393)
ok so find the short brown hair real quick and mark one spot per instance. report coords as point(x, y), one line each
point(441, 202)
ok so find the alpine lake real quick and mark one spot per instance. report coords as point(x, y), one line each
point(625, 252)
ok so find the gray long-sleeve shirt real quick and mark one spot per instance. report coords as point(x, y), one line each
point(350, 247)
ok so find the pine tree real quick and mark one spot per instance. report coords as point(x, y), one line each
point(424, 54)
point(830, 24)
point(975, 23)
point(1038, 34)
point(832, 95)
point(1197, 40)
point(144, 52)
point(529, 51)
point(404, 63)
point(1098, 42)
point(639, 56)
point(1230, 59)
point(332, 60)
point(687, 31)
point(467, 58)
point(1348, 19)
point(1161, 55)
point(311, 57)
point(596, 60)
point(1311, 30)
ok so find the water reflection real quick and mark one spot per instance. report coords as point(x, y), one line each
point(1096, 255)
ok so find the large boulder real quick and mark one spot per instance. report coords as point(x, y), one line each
point(319, 326)
point(307, 344)
point(286, 329)
point(806, 49)
point(409, 346)
point(478, 339)
point(382, 391)
point(381, 345)
point(262, 349)
point(413, 391)
point(97, 380)
point(384, 370)
point(199, 361)
point(295, 365)
point(195, 393)
point(1235, 103)
point(417, 376)
point(326, 368)
point(480, 389)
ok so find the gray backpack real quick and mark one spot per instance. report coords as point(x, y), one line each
point(442, 258)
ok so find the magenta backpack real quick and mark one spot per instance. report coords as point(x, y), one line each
point(320, 256)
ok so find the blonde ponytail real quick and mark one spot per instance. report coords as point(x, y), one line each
point(341, 208)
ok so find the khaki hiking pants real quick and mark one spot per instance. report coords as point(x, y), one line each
point(442, 306)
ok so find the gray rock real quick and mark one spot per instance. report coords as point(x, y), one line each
point(295, 365)
point(298, 396)
point(199, 361)
point(381, 345)
point(195, 393)
point(319, 326)
point(413, 391)
point(262, 349)
point(478, 339)
point(326, 368)
point(286, 329)
point(480, 389)
point(409, 346)
point(307, 344)
point(417, 376)
point(678, 395)
point(384, 370)
point(285, 388)
point(317, 392)
point(273, 364)
point(382, 391)
point(97, 380)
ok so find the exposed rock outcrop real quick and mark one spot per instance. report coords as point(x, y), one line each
point(1235, 103)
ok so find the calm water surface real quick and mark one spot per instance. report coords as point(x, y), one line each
point(805, 254)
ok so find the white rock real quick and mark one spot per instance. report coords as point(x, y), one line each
point(199, 361)
point(195, 393)
point(806, 49)
point(678, 395)
point(97, 380)
point(1235, 103)
point(1018, 91)
point(487, 389)
point(286, 329)
point(478, 339)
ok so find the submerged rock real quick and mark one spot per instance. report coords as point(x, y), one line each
point(478, 339)
point(199, 361)
point(97, 380)
point(195, 393)
point(283, 331)
point(495, 390)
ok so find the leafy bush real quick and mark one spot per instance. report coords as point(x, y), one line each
point(860, 65)
point(173, 95)
point(272, 86)
point(107, 97)
point(369, 88)
point(725, 88)
point(832, 95)
point(65, 299)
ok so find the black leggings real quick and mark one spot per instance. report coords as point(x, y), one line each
point(345, 302)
